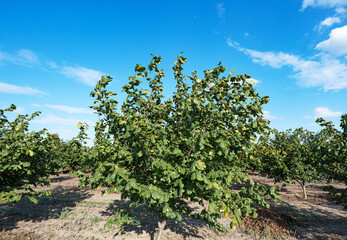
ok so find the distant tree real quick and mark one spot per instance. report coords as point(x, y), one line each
point(70, 155)
point(333, 152)
point(291, 156)
point(25, 157)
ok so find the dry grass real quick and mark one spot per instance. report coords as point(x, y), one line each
point(25, 235)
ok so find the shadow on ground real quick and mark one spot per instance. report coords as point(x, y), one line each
point(145, 220)
point(314, 222)
point(60, 201)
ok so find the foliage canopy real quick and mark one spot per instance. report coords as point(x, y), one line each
point(186, 148)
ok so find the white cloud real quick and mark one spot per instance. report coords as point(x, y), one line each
point(325, 112)
point(328, 22)
point(337, 42)
point(340, 11)
point(36, 105)
point(14, 89)
point(28, 58)
point(52, 119)
point(84, 75)
point(52, 64)
point(323, 3)
point(21, 57)
point(268, 116)
point(321, 71)
point(69, 109)
point(65, 134)
point(220, 10)
point(68, 134)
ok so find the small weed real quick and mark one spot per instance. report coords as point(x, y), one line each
point(64, 214)
point(95, 219)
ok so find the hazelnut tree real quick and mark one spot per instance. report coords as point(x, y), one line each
point(190, 147)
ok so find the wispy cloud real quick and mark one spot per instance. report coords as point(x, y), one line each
point(65, 134)
point(84, 75)
point(268, 116)
point(337, 42)
point(36, 105)
point(323, 3)
point(221, 10)
point(69, 109)
point(324, 112)
point(52, 119)
point(328, 22)
point(14, 89)
point(28, 58)
point(21, 57)
point(321, 70)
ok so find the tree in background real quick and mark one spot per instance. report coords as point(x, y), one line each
point(333, 152)
point(25, 157)
point(70, 155)
point(291, 156)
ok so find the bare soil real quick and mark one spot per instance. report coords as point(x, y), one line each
point(79, 213)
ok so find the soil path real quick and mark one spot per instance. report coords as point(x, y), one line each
point(78, 213)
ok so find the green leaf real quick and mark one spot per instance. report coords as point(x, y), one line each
point(139, 154)
point(196, 100)
point(31, 153)
point(155, 194)
point(200, 165)
point(34, 200)
point(212, 207)
point(199, 177)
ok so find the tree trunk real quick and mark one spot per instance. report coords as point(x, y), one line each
point(161, 226)
point(304, 193)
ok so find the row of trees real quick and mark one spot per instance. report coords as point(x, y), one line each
point(302, 156)
point(28, 158)
point(195, 146)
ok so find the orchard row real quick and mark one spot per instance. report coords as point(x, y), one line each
point(196, 146)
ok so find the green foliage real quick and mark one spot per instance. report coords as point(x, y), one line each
point(332, 149)
point(291, 156)
point(333, 152)
point(304, 156)
point(25, 157)
point(71, 154)
point(187, 148)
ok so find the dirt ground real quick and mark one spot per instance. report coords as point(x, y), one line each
point(78, 213)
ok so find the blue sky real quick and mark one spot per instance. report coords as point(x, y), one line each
point(53, 52)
